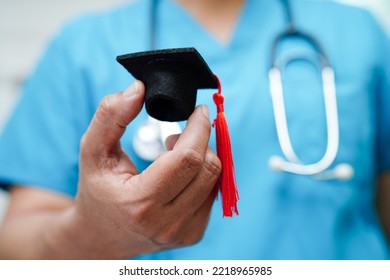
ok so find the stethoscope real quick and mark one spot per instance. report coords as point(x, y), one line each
point(149, 139)
point(291, 162)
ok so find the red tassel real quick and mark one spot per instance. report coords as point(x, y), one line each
point(227, 181)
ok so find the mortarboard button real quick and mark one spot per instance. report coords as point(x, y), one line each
point(171, 77)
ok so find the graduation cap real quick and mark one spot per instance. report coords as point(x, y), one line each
point(172, 78)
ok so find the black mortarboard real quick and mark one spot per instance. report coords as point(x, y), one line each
point(171, 77)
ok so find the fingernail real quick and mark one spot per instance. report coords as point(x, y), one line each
point(205, 110)
point(132, 89)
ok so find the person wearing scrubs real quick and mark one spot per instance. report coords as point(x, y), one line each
point(79, 188)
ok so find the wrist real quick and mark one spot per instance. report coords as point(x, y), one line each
point(67, 237)
point(87, 237)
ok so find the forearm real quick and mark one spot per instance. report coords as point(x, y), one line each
point(383, 202)
point(39, 235)
point(66, 235)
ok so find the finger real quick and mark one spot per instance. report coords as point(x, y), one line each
point(195, 231)
point(114, 113)
point(171, 141)
point(194, 195)
point(204, 210)
point(198, 122)
point(173, 171)
point(181, 229)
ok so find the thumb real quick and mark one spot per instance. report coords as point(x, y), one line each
point(112, 116)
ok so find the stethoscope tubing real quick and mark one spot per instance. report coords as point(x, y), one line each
point(293, 164)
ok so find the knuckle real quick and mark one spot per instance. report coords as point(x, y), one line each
point(108, 112)
point(177, 235)
point(192, 238)
point(106, 103)
point(195, 238)
point(212, 164)
point(191, 159)
point(140, 214)
point(168, 237)
point(106, 109)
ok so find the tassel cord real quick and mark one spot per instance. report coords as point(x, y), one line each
point(227, 183)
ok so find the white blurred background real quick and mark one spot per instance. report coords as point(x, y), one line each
point(26, 25)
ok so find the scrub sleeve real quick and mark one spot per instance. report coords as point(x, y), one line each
point(40, 145)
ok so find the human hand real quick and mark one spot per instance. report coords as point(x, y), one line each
point(120, 213)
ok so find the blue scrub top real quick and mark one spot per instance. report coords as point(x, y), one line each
point(282, 215)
